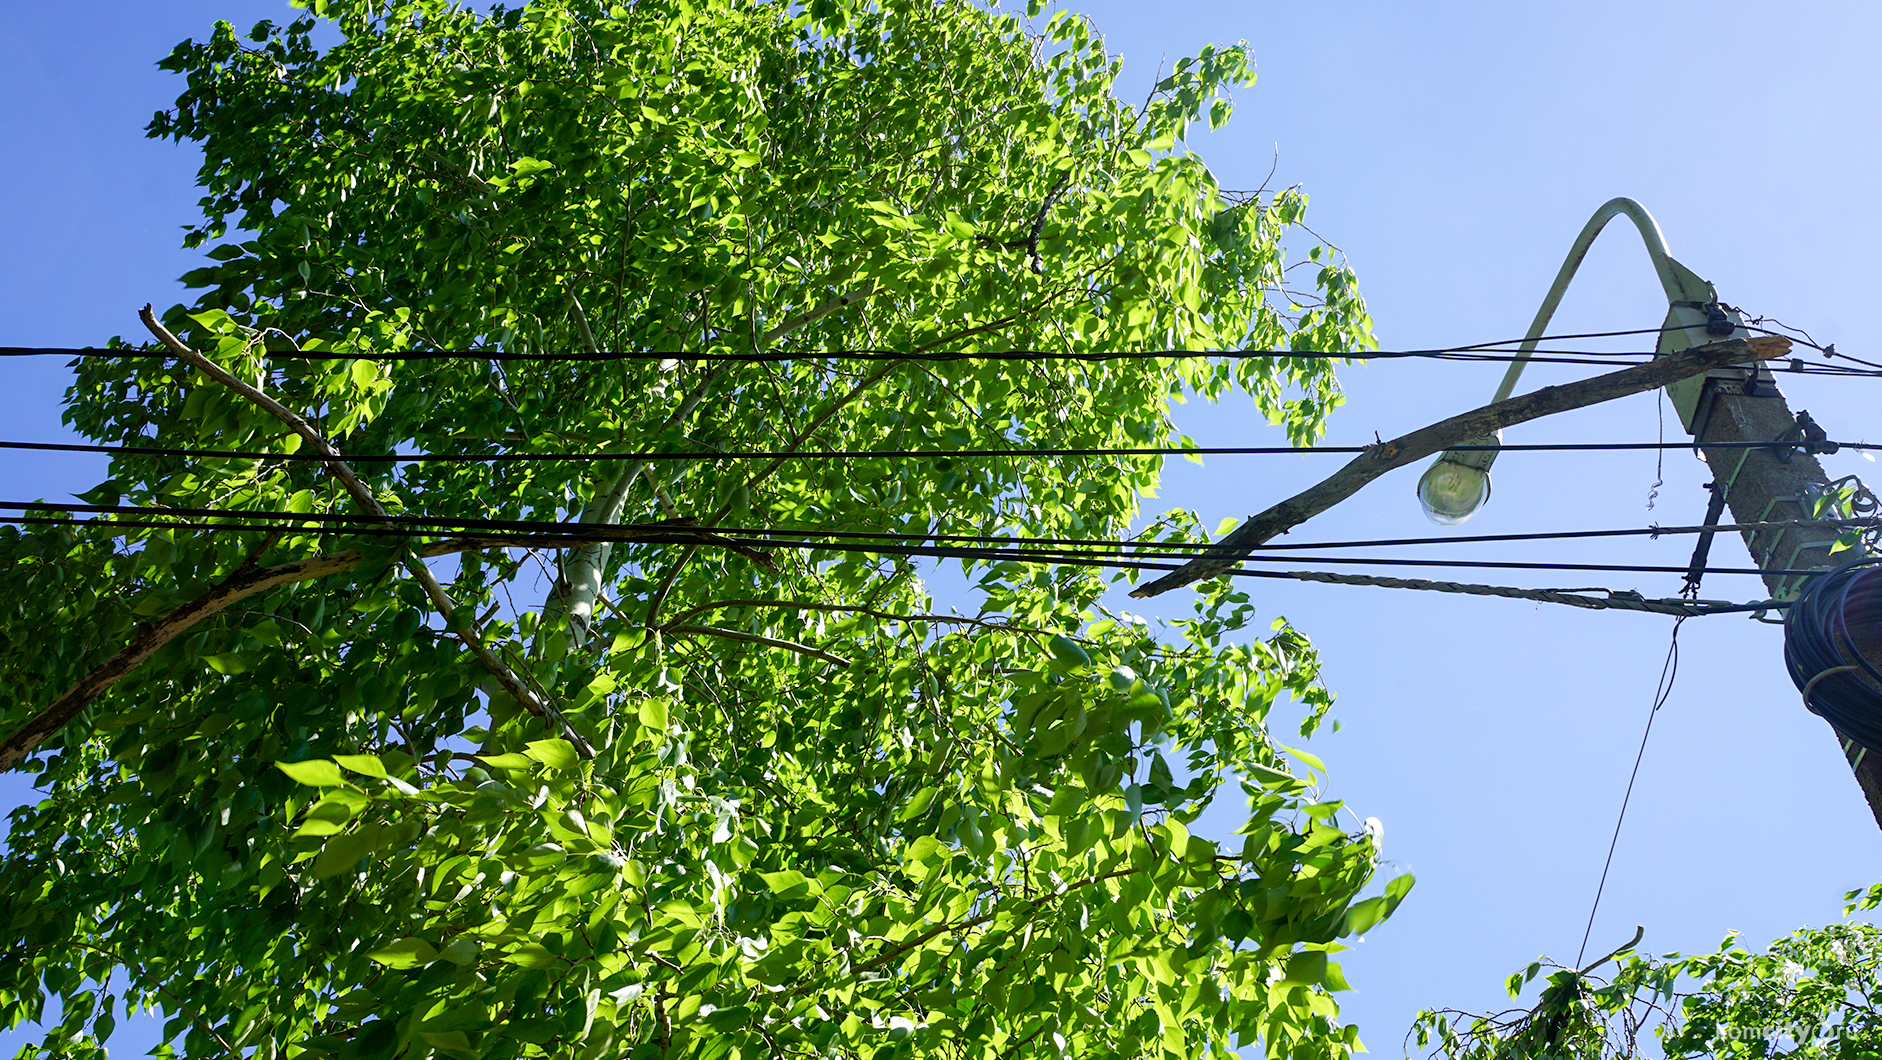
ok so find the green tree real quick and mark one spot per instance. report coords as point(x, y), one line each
point(1812, 995)
point(316, 796)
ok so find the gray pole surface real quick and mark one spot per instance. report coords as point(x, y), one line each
point(1761, 486)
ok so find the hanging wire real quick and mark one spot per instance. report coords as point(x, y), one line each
point(1669, 670)
point(990, 539)
point(1483, 351)
point(1099, 553)
point(866, 454)
point(1612, 599)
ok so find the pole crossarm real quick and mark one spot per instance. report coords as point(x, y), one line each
point(1426, 441)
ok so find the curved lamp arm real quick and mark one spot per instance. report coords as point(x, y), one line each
point(1675, 279)
point(1458, 483)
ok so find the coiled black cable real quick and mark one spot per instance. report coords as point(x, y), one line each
point(1833, 649)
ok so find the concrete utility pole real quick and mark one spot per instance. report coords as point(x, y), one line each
point(1762, 485)
point(1739, 404)
point(1723, 408)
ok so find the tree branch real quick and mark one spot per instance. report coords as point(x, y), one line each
point(1417, 445)
point(753, 638)
point(244, 583)
point(887, 616)
point(441, 600)
point(574, 594)
point(842, 301)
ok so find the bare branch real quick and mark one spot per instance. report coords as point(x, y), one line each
point(1417, 445)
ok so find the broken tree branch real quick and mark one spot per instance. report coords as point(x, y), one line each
point(446, 607)
point(247, 581)
point(1426, 441)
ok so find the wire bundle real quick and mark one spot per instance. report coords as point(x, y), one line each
point(1833, 649)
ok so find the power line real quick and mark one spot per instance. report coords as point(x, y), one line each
point(1668, 672)
point(1102, 554)
point(1611, 600)
point(870, 454)
point(1484, 351)
point(1603, 358)
point(992, 539)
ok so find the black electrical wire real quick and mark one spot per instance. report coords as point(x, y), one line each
point(1833, 649)
point(1109, 554)
point(1474, 351)
point(866, 454)
point(1595, 357)
point(1669, 672)
point(985, 539)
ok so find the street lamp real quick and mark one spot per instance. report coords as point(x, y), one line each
point(1458, 482)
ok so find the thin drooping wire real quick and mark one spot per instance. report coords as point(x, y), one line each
point(860, 454)
point(1659, 460)
point(1669, 670)
point(1103, 554)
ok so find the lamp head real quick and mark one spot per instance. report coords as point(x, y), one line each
point(1451, 490)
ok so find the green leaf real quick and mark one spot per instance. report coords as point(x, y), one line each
point(342, 854)
point(228, 663)
point(917, 804)
point(1068, 651)
point(653, 714)
point(453, 1041)
point(1304, 757)
point(556, 754)
point(405, 953)
point(461, 951)
point(531, 955)
point(1398, 887)
point(317, 773)
point(1363, 915)
point(1269, 777)
point(507, 760)
point(787, 884)
point(364, 765)
point(1309, 967)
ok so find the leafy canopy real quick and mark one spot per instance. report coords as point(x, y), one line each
point(822, 817)
point(1811, 995)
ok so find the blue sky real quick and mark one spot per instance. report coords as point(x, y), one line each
point(1452, 151)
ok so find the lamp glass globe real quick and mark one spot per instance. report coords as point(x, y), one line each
point(1452, 492)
